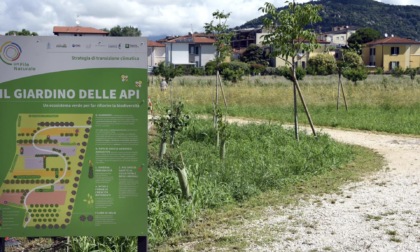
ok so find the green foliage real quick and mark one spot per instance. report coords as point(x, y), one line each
point(397, 72)
point(256, 68)
point(211, 67)
point(362, 36)
point(322, 64)
point(191, 70)
point(256, 55)
point(355, 74)
point(168, 72)
point(219, 29)
point(271, 71)
point(173, 122)
point(23, 32)
point(234, 71)
point(287, 73)
point(412, 72)
point(126, 31)
point(379, 70)
point(289, 34)
point(248, 170)
point(351, 59)
point(103, 244)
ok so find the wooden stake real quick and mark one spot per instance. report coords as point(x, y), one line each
point(295, 112)
point(305, 107)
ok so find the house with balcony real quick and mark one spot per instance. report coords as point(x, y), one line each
point(193, 49)
point(338, 35)
point(391, 52)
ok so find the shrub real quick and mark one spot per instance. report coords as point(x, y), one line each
point(234, 71)
point(286, 73)
point(355, 74)
point(256, 68)
point(397, 72)
point(271, 71)
point(412, 72)
point(379, 70)
point(322, 64)
point(210, 67)
point(352, 59)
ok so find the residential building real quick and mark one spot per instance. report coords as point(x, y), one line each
point(193, 49)
point(243, 38)
point(78, 31)
point(302, 58)
point(391, 52)
point(339, 35)
point(155, 53)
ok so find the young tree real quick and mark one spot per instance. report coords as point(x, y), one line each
point(219, 28)
point(350, 65)
point(288, 36)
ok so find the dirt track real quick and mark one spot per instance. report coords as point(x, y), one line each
point(380, 213)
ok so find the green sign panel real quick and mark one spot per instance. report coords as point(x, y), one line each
point(73, 114)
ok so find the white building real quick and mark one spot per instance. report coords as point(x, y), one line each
point(193, 49)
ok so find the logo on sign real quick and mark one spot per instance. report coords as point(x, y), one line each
point(9, 52)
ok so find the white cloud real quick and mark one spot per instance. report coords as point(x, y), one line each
point(152, 17)
point(401, 2)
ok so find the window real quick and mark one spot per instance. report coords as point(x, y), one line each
point(372, 51)
point(194, 49)
point(395, 50)
point(393, 64)
point(303, 64)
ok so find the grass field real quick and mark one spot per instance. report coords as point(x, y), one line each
point(380, 103)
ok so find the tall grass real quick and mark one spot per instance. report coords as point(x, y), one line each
point(259, 158)
point(380, 103)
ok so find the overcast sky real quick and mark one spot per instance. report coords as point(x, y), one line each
point(152, 17)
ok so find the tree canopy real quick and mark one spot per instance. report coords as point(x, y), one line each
point(126, 31)
point(220, 30)
point(23, 32)
point(288, 34)
point(255, 54)
point(362, 36)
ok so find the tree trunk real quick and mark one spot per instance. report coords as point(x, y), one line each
point(162, 149)
point(222, 149)
point(183, 180)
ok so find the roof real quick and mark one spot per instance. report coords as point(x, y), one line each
point(77, 30)
point(151, 43)
point(393, 40)
point(192, 39)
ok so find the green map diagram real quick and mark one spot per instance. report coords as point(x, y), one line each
point(44, 176)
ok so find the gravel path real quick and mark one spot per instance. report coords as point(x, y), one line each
point(380, 213)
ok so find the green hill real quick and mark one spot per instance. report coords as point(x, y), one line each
point(402, 21)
